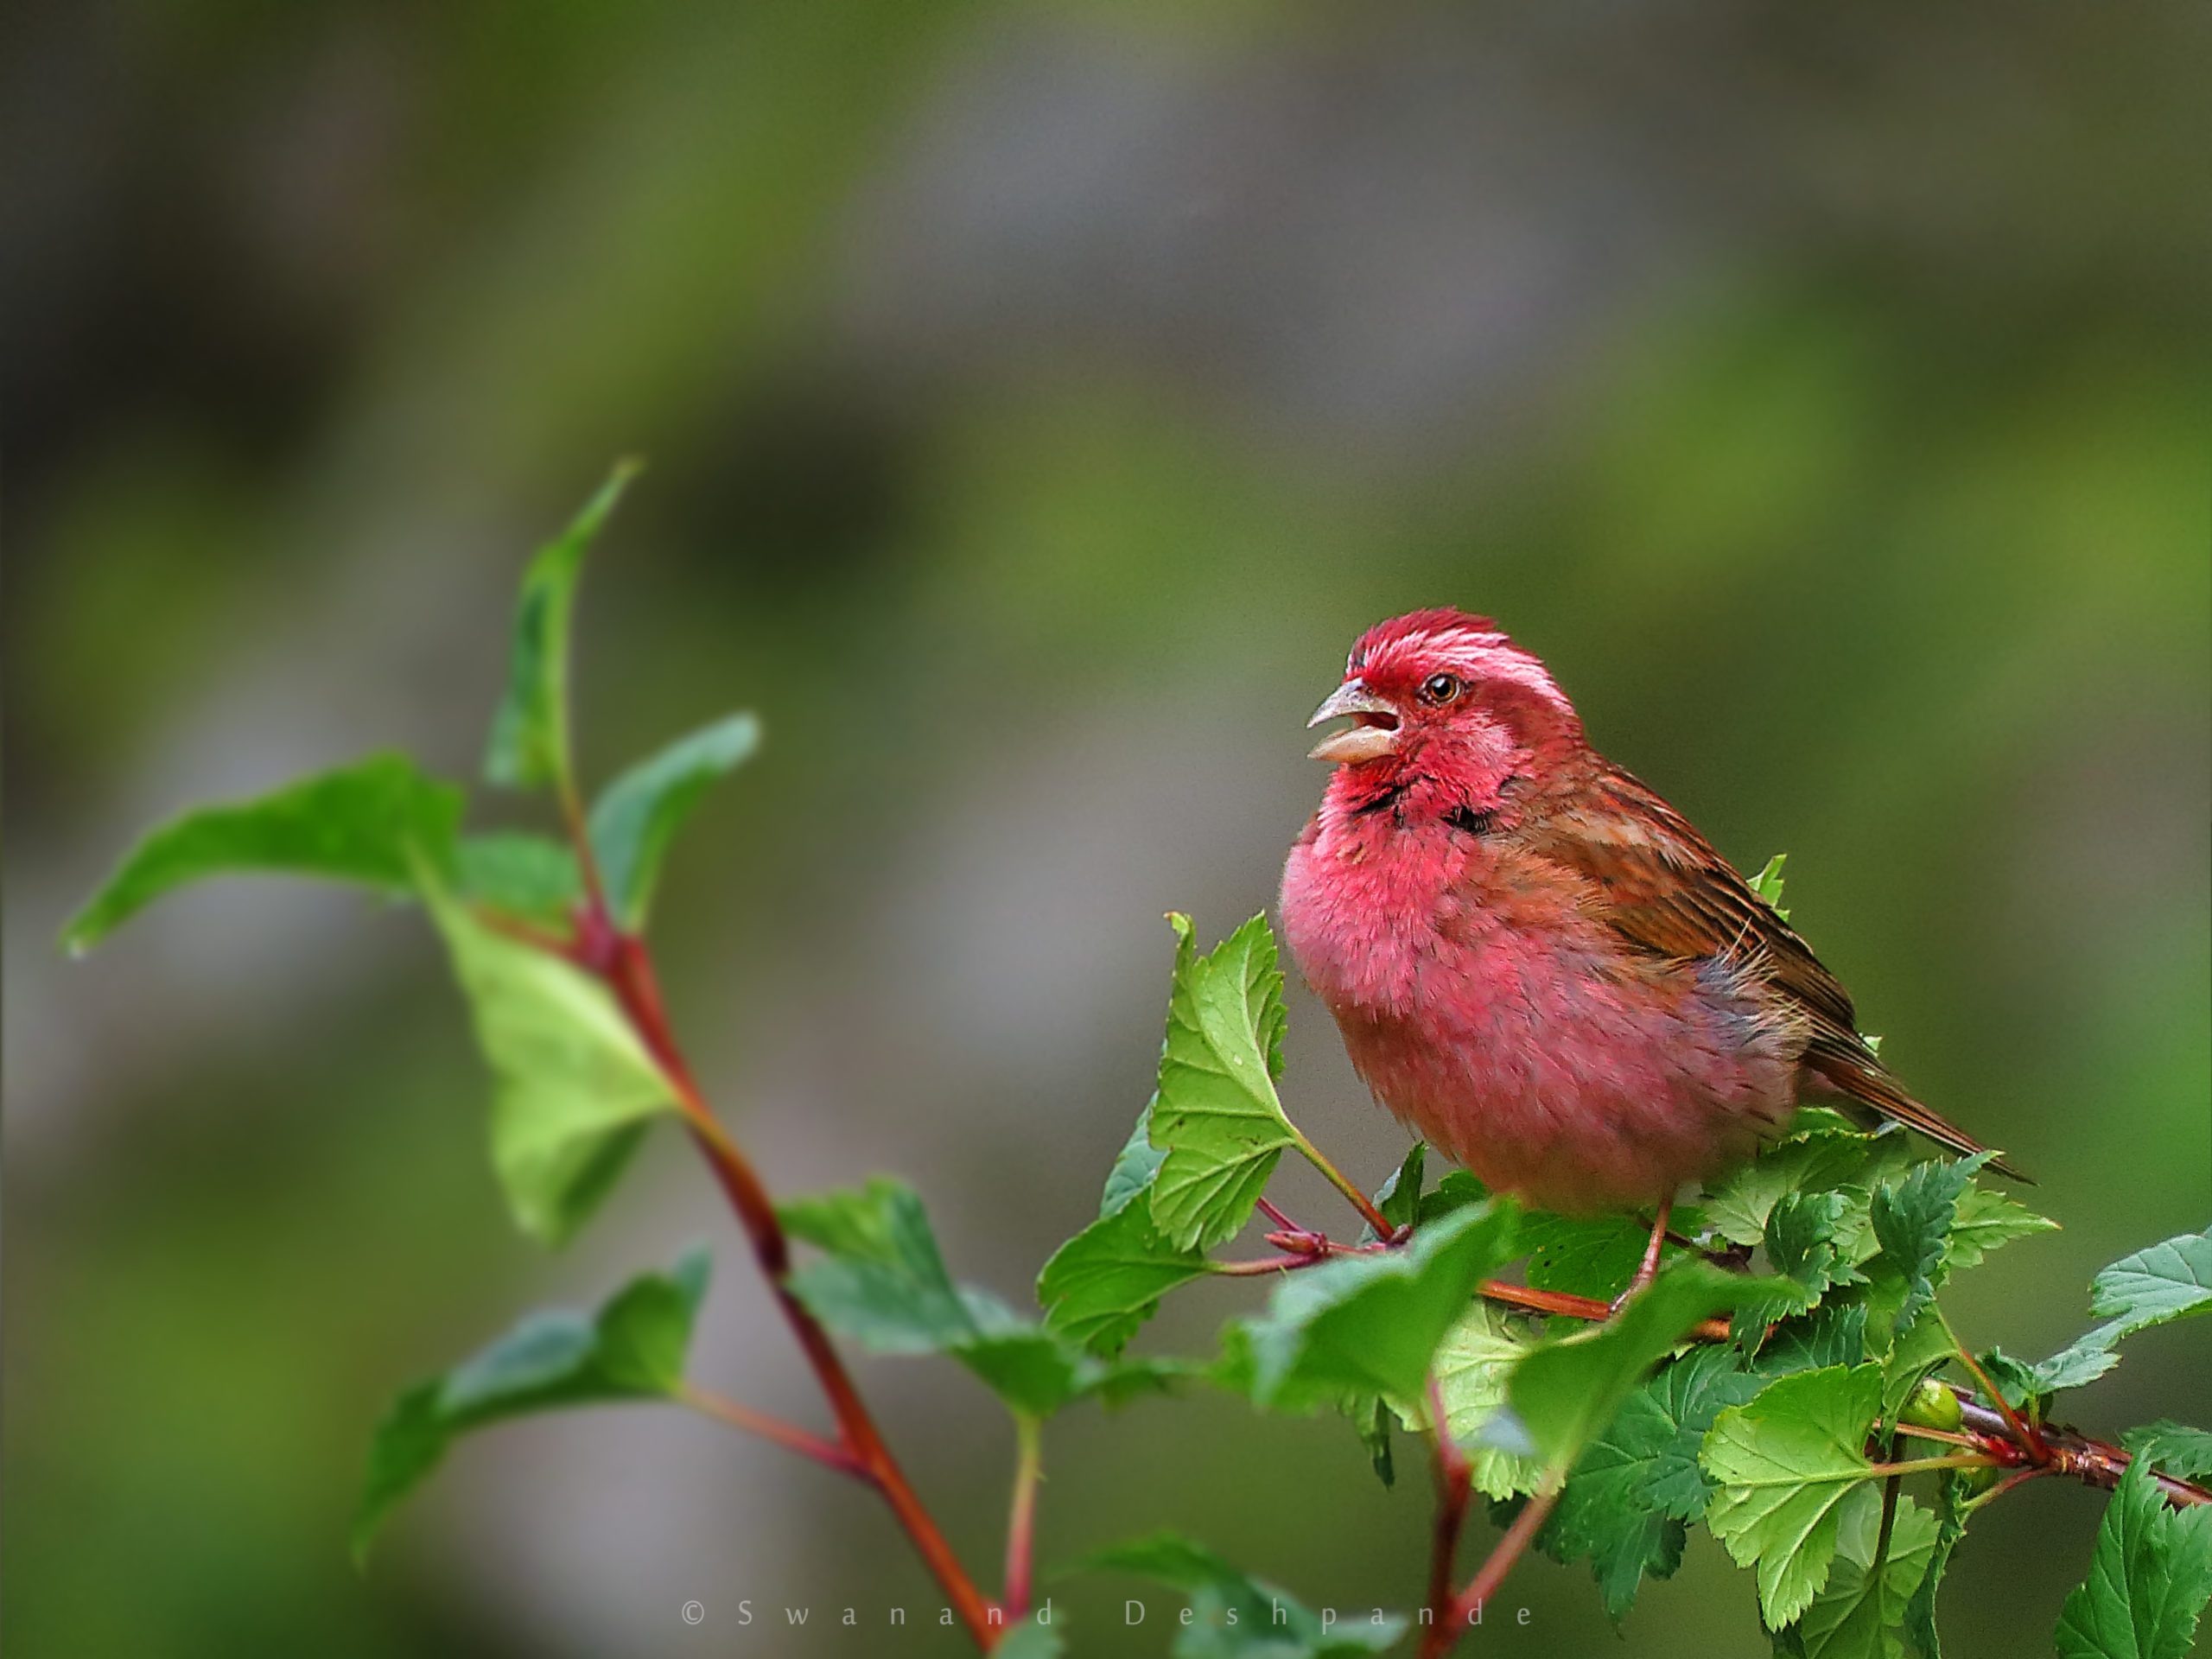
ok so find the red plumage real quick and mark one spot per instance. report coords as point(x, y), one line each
point(1537, 963)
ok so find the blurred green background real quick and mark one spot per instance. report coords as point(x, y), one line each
point(1039, 400)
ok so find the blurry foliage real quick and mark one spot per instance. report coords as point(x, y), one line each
point(1865, 516)
point(1830, 1371)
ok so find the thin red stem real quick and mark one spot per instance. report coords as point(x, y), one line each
point(572, 815)
point(1262, 1265)
point(1467, 1607)
point(2017, 1477)
point(830, 1453)
point(625, 963)
point(1648, 1268)
point(1336, 1178)
point(1021, 1519)
point(1916, 1465)
point(1942, 1434)
point(2028, 1436)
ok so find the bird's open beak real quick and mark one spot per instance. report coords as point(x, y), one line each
point(1372, 735)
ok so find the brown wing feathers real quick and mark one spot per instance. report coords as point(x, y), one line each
point(1666, 891)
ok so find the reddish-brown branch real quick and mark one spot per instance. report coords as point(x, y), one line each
point(1995, 1431)
point(1578, 1308)
point(2070, 1453)
point(623, 963)
point(1454, 1490)
point(1440, 1638)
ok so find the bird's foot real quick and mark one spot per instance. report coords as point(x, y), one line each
point(1635, 1289)
point(1647, 1270)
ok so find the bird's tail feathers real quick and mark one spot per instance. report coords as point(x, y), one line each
point(1864, 1079)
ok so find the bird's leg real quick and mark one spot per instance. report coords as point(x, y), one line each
point(1648, 1270)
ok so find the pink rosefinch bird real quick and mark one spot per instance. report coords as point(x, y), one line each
point(1536, 963)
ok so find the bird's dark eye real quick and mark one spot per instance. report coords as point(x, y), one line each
point(1441, 688)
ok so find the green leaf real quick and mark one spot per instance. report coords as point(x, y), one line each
point(367, 823)
point(1768, 884)
point(1134, 1166)
point(1815, 1159)
point(1986, 1220)
point(1669, 1419)
point(573, 1086)
point(2150, 1577)
point(1861, 1612)
point(2016, 1380)
point(1235, 1616)
point(1921, 1350)
point(1472, 1364)
point(1034, 1371)
point(632, 1348)
point(2177, 1448)
point(1834, 1334)
point(1102, 1285)
point(530, 732)
point(1783, 1463)
point(1037, 1372)
point(1913, 1216)
point(1370, 1419)
point(1602, 1517)
point(1638, 1481)
point(1372, 1323)
point(640, 811)
point(883, 1282)
point(1566, 1391)
point(1454, 1190)
point(1951, 1526)
point(518, 874)
point(1216, 1116)
point(1803, 1238)
point(2082, 1361)
point(1399, 1198)
point(2169, 1280)
point(1801, 1235)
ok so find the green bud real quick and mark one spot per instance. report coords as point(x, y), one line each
point(1932, 1406)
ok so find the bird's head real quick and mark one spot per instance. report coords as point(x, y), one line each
point(1444, 709)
